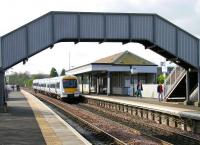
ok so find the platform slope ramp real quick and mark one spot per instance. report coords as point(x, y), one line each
point(151, 30)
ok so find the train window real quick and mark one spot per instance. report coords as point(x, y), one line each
point(70, 83)
point(58, 85)
point(52, 85)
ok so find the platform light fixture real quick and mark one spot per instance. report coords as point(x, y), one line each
point(24, 61)
point(51, 46)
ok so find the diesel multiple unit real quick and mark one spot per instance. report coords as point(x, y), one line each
point(61, 87)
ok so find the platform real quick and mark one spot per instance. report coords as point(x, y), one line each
point(178, 116)
point(19, 125)
point(177, 109)
point(29, 121)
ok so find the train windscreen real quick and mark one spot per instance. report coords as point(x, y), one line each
point(69, 83)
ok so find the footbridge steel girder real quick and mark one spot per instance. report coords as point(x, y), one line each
point(53, 27)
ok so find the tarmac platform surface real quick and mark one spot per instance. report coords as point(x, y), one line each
point(19, 126)
point(31, 122)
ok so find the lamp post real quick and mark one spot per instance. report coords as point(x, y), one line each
point(133, 71)
point(164, 68)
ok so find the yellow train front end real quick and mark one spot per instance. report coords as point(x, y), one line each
point(70, 87)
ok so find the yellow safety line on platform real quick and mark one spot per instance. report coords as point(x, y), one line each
point(47, 132)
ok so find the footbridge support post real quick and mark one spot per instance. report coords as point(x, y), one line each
point(2, 83)
point(198, 102)
point(2, 91)
point(187, 88)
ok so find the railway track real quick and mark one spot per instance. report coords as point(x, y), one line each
point(117, 134)
point(102, 136)
point(156, 133)
point(150, 129)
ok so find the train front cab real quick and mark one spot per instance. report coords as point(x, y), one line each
point(70, 87)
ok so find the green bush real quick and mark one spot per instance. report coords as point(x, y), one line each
point(161, 79)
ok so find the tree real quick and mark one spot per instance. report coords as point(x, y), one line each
point(39, 76)
point(161, 78)
point(24, 79)
point(19, 78)
point(62, 72)
point(29, 83)
point(53, 72)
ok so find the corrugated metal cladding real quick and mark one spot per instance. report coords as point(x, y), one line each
point(187, 48)
point(165, 35)
point(40, 34)
point(65, 26)
point(91, 26)
point(14, 47)
point(58, 26)
point(117, 27)
point(141, 27)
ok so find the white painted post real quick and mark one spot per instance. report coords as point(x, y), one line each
point(108, 83)
point(97, 85)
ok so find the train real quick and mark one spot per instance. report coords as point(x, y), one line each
point(63, 87)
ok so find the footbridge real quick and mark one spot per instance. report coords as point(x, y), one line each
point(151, 30)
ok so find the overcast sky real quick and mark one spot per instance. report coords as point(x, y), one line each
point(15, 13)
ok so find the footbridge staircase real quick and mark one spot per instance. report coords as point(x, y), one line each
point(175, 85)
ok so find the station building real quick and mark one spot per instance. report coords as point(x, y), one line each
point(112, 74)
